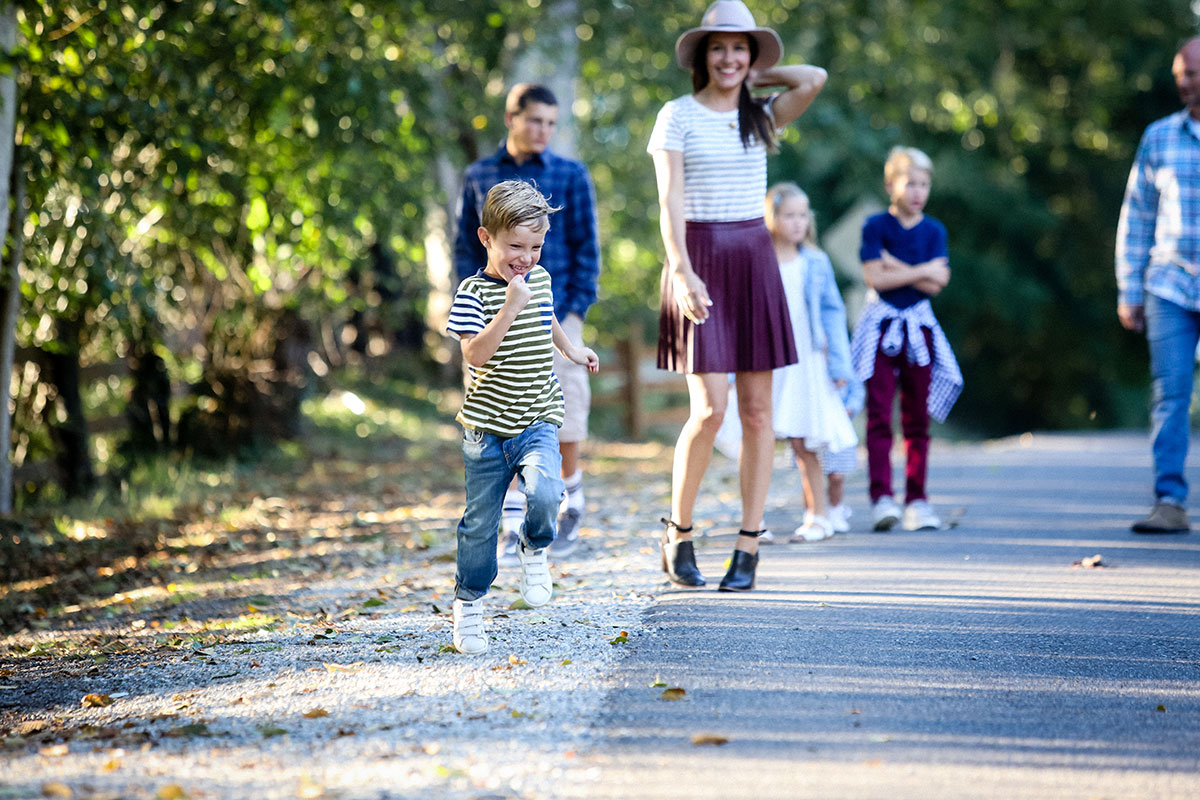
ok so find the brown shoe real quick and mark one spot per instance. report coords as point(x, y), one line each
point(1164, 518)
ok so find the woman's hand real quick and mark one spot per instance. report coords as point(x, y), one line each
point(691, 295)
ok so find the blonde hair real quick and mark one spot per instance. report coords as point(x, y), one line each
point(513, 203)
point(774, 199)
point(902, 159)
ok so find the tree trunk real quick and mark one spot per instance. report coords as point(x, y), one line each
point(12, 299)
point(553, 61)
point(72, 453)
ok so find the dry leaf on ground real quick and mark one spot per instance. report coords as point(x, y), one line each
point(701, 739)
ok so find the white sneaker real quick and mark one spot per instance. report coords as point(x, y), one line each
point(886, 513)
point(920, 516)
point(766, 537)
point(537, 587)
point(469, 636)
point(839, 518)
point(814, 529)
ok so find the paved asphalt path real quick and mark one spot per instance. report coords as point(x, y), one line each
point(973, 662)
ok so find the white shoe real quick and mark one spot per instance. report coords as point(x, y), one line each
point(469, 636)
point(537, 587)
point(814, 529)
point(839, 518)
point(766, 537)
point(920, 516)
point(885, 513)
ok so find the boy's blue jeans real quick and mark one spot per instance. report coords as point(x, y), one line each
point(1173, 332)
point(491, 462)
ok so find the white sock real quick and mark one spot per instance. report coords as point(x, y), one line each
point(574, 487)
point(512, 513)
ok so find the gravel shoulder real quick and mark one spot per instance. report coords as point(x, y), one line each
point(352, 692)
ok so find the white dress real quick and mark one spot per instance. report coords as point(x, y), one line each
point(806, 403)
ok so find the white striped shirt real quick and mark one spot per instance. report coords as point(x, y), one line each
point(722, 180)
point(517, 386)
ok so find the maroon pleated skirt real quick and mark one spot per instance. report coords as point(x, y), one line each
point(748, 327)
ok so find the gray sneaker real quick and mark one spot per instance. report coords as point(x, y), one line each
point(568, 533)
point(508, 551)
point(1164, 518)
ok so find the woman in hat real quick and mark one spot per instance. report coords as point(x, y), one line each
point(723, 308)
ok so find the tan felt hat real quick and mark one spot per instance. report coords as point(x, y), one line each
point(730, 16)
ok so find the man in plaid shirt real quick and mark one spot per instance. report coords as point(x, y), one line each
point(1158, 282)
point(571, 254)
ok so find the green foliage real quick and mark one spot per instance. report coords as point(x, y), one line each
point(209, 177)
point(1031, 113)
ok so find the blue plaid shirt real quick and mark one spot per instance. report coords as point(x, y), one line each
point(571, 253)
point(1158, 236)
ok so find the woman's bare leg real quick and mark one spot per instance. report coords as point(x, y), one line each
point(758, 451)
point(708, 394)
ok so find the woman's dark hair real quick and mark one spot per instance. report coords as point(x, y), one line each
point(753, 121)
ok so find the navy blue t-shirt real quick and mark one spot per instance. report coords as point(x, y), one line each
point(922, 242)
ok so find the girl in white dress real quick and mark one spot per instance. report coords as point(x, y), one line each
point(807, 409)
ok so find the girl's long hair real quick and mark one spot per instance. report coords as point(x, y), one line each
point(774, 199)
point(753, 120)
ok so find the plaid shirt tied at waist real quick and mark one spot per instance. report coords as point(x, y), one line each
point(946, 382)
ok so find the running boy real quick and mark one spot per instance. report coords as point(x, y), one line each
point(504, 318)
point(898, 339)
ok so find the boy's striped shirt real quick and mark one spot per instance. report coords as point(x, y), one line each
point(517, 386)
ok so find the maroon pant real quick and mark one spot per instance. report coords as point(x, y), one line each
point(914, 419)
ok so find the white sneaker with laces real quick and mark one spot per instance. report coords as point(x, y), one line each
point(885, 513)
point(839, 517)
point(920, 516)
point(469, 636)
point(814, 529)
point(537, 587)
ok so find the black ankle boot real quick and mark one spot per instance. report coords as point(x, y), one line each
point(679, 558)
point(740, 577)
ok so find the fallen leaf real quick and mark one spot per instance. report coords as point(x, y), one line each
point(172, 791)
point(194, 729)
point(96, 700)
point(54, 750)
point(56, 790)
point(674, 693)
point(1091, 562)
point(315, 713)
point(519, 605)
point(113, 765)
point(355, 667)
point(516, 662)
point(657, 683)
point(566, 662)
point(700, 739)
point(1160, 707)
point(621, 639)
point(268, 731)
point(374, 602)
point(32, 726)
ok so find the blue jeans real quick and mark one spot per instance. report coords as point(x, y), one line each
point(491, 462)
point(1173, 332)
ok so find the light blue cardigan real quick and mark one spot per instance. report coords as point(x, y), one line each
point(827, 319)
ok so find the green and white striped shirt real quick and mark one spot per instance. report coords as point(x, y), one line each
point(517, 386)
